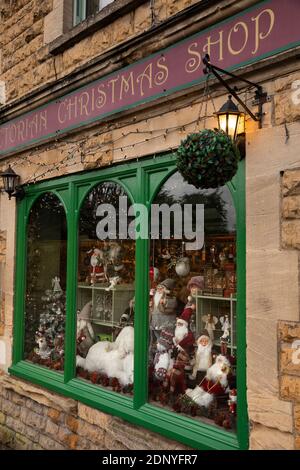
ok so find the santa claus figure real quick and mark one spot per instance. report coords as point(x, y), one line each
point(164, 304)
point(203, 357)
point(184, 339)
point(98, 272)
point(162, 359)
point(215, 383)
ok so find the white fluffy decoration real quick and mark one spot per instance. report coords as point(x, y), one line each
point(113, 359)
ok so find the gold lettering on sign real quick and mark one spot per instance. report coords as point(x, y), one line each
point(21, 129)
point(72, 107)
point(84, 99)
point(147, 74)
point(43, 120)
point(194, 62)
point(235, 29)
point(101, 100)
point(113, 81)
point(61, 112)
point(207, 47)
point(162, 75)
point(259, 35)
point(126, 85)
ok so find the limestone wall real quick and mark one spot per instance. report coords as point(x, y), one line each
point(33, 419)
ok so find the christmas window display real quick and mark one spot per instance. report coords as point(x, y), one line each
point(105, 292)
point(192, 310)
point(45, 299)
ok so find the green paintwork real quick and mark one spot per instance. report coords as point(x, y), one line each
point(142, 180)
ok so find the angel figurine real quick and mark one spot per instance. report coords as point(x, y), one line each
point(56, 284)
point(225, 338)
point(210, 324)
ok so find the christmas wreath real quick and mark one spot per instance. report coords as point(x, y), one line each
point(208, 159)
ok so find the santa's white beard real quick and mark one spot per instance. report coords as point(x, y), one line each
point(203, 357)
point(157, 298)
point(180, 333)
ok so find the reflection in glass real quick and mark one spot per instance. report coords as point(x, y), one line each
point(192, 311)
point(46, 283)
point(105, 295)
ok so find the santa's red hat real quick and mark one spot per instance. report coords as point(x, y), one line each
point(186, 315)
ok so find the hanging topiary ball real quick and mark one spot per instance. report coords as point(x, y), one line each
point(208, 159)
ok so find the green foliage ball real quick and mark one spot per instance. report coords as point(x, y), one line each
point(208, 159)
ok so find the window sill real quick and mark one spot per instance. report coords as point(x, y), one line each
point(104, 17)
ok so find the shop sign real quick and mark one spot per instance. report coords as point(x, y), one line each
point(261, 31)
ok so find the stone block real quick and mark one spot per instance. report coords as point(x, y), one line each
point(33, 406)
point(90, 432)
point(265, 408)
point(286, 109)
point(92, 416)
point(33, 419)
point(285, 83)
point(291, 182)
point(72, 423)
point(142, 19)
point(297, 418)
point(264, 438)
point(270, 273)
point(6, 435)
point(15, 424)
point(291, 207)
point(49, 444)
point(290, 388)
point(10, 409)
point(22, 443)
point(290, 234)
point(51, 428)
point(289, 360)
point(297, 443)
point(2, 418)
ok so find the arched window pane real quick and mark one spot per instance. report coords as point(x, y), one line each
point(193, 302)
point(105, 296)
point(46, 283)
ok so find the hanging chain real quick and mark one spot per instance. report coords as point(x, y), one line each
point(205, 97)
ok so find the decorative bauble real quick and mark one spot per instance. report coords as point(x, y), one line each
point(182, 267)
point(208, 159)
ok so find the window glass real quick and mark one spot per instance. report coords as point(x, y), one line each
point(105, 295)
point(85, 8)
point(192, 310)
point(45, 300)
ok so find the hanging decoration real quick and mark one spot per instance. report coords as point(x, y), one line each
point(208, 159)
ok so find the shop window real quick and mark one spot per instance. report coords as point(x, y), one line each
point(85, 8)
point(45, 299)
point(85, 325)
point(192, 352)
point(105, 292)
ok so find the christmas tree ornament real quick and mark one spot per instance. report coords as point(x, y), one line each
point(182, 267)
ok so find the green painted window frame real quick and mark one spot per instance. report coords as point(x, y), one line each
point(142, 180)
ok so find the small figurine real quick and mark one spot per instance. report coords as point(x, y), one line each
point(225, 338)
point(128, 315)
point(182, 267)
point(98, 273)
point(43, 349)
point(56, 284)
point(210, 325)
point(162, 359)
point(113, 282)
point(203, 358)
point(194, 286)
point(215, 383)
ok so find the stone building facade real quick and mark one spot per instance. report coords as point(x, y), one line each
point(43, 57)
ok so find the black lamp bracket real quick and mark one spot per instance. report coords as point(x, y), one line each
point(261, 97)
point(19, 193)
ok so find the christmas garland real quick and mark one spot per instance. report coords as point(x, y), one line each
point(207, 159)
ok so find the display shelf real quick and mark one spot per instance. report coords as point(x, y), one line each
point(107, 305)
point(217, 306)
